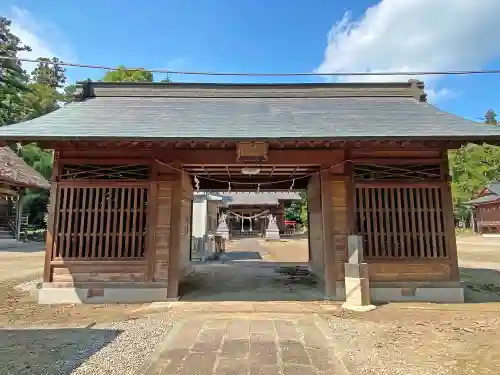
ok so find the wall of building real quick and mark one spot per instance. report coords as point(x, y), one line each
point(488, 218)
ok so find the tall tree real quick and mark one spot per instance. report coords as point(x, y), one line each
point(13, 82)
point(472, 167)
point(48, 73)
point(491, 117)
point(122, 75)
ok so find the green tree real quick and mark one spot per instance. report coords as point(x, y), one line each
point(472, 168)
point(48, 73)
point(491, 117)
point(122, 75)
point(13, 82)
point(21, 100)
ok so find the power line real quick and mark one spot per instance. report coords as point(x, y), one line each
point(256, 74)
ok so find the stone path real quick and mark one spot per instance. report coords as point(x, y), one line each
point(254, 344)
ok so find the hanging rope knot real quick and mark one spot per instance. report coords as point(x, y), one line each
point(196, 183)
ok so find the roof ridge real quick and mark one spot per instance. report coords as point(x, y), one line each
point(90, 89)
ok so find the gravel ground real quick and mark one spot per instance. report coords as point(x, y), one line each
point(416, 342)
point(122, 347)
point(132, 349)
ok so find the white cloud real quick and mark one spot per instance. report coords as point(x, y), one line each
point(44, 38)
point(415, 35)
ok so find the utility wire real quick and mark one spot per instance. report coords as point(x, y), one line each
point(256, 74)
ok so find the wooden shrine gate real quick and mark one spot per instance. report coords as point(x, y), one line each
point(116, 224)
point(121, 196)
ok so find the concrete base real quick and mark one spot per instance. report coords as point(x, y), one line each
point(357, 308)
point(357, 291)
point(439, 292)
point(186, 271)
point(272, 235)
point(55, 295)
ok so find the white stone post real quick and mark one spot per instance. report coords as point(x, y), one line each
point(357, 283)
point(272, 231)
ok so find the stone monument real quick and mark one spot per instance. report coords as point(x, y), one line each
point(272, 231)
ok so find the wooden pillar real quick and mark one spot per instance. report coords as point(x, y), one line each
point(151, 222)
point(449, 219)
point(328, 234)
point(175, 239)
point(53, 210)
point(19, 214)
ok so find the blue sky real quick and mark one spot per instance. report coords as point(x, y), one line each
point(278, 35)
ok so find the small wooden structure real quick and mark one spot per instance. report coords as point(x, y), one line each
point(15, 176)
point(248, 211)
point(128, 156)
point(486, 210)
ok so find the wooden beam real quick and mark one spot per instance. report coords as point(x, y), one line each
point(300, 184)
point(275, 157)
point(221, 157)
point(397, 161)
point(52, 211)
point(175, 240)
point(151, 223)
point(449, 220)
point(328, 240)
point(88, 159)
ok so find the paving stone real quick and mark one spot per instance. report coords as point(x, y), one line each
point(294, 352)
point(263, 353)
point(262, 326)
point(215, 324)
point(198, 363)
point(235, 348)
point(243, 346)
point(264, 370)
point(287, 330)
point(230, 371)
point(312, 335)
point(321, 359)
point(299, 370)
point(238, 329)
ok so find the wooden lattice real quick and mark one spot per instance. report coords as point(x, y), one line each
point(401, 222)
point(105, 172)
point(397, 172)
point(101, 223)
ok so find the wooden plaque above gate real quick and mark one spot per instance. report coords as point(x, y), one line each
point(252, 151)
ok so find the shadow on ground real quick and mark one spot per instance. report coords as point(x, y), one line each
point(481, 284)
point(13, 246)
point(252, 281)
point(49, 351)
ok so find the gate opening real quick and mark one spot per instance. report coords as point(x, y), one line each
point(265, 254)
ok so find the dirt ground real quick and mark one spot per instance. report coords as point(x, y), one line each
point(462, 339)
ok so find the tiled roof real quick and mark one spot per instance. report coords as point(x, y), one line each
point(15, 171)
point(253, 198)
point(481, 200)
point(154, 111)
point(494, 187)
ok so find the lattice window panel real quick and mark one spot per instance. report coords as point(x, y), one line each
point(105, 172)
point(397, 172)
point(101, 223)
point(401, 222)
